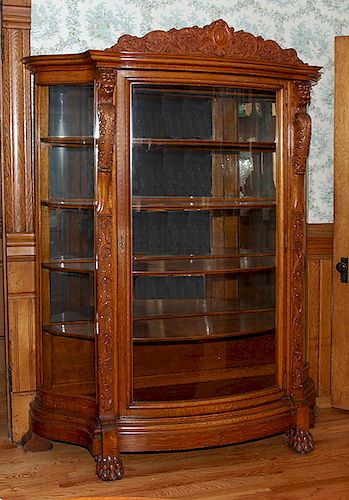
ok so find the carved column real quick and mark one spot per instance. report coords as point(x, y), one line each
point(109, 466)
point(19, 224)
point(302, 390)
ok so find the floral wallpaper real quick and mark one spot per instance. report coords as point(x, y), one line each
point(309, 26)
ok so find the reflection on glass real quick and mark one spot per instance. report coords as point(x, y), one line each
point(71, 110)
point(71, 172)
point(203, 233)
point(186, 173)
point(72, 297)
point(71, 234)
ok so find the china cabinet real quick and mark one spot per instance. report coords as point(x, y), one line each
point(170, 220)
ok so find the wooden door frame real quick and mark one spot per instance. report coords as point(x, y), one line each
point(17, 204)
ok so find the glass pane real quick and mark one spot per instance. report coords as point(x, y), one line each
point(204, 180)
point(71, 233)
point(185, 173)
point(71, 110)
point(72, 297)
point(71, 172)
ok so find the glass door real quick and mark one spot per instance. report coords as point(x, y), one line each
point(67, 237)
point(204, 180)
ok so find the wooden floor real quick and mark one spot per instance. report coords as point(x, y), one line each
point(260, 470)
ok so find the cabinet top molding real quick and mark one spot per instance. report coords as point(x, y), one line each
point(211, 49)
point(215, 39)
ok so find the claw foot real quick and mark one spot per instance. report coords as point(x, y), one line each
point(109, 468)
point(299, 440)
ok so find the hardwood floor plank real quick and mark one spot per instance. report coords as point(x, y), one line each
point(261, 469)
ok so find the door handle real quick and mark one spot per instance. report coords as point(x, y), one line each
point(342, 268)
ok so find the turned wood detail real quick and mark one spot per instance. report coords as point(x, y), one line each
point(109, 468)
point(216, 39)
point(300, 440)
point(297, 298)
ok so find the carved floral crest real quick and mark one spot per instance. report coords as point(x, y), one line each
point(216, 39)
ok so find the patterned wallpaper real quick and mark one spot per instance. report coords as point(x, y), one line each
point(309, 26)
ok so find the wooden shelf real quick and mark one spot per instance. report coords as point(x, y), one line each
point(165, 203)
point(222, 253)
point(83, 141)
point(144, 309)
point(71, 266)
point(202, 267)
point(81, 330)
point(203, 328)
point(73, 203)
point(150, 143)
point(189, 377)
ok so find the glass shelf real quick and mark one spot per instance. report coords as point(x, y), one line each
point(205, 203)
point(73, 266)
point(203, 327)
point(79, 141)
point(212, 145)
point(182, 308)
point(69, 203)
point(82, 330)
point(202, 267)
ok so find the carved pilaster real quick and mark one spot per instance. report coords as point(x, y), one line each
point(106, 114)
point(301, 128)
point(298, 297)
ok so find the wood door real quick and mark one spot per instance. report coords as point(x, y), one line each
point(340, 317)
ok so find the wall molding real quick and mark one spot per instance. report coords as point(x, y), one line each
point(16, 14)
point(319, 240)
point(319, 253)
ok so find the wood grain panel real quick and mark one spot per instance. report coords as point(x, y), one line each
point(319, 299)
point(18, 185)
point(20, 415)
point(21, 312)
point(17, 180)
point(21, 277)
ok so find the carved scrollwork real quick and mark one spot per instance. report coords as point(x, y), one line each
point(297, 309)
point(302, 132)
point(303, 90)
point(109, 468)
point(105, 312)
point(301, 127)
point(106, 113)
point(216, 39)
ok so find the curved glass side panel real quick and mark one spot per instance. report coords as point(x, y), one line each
point(67, 238)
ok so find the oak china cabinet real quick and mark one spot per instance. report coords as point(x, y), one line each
point(170, 221)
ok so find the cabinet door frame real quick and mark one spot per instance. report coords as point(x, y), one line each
point(127, 408)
